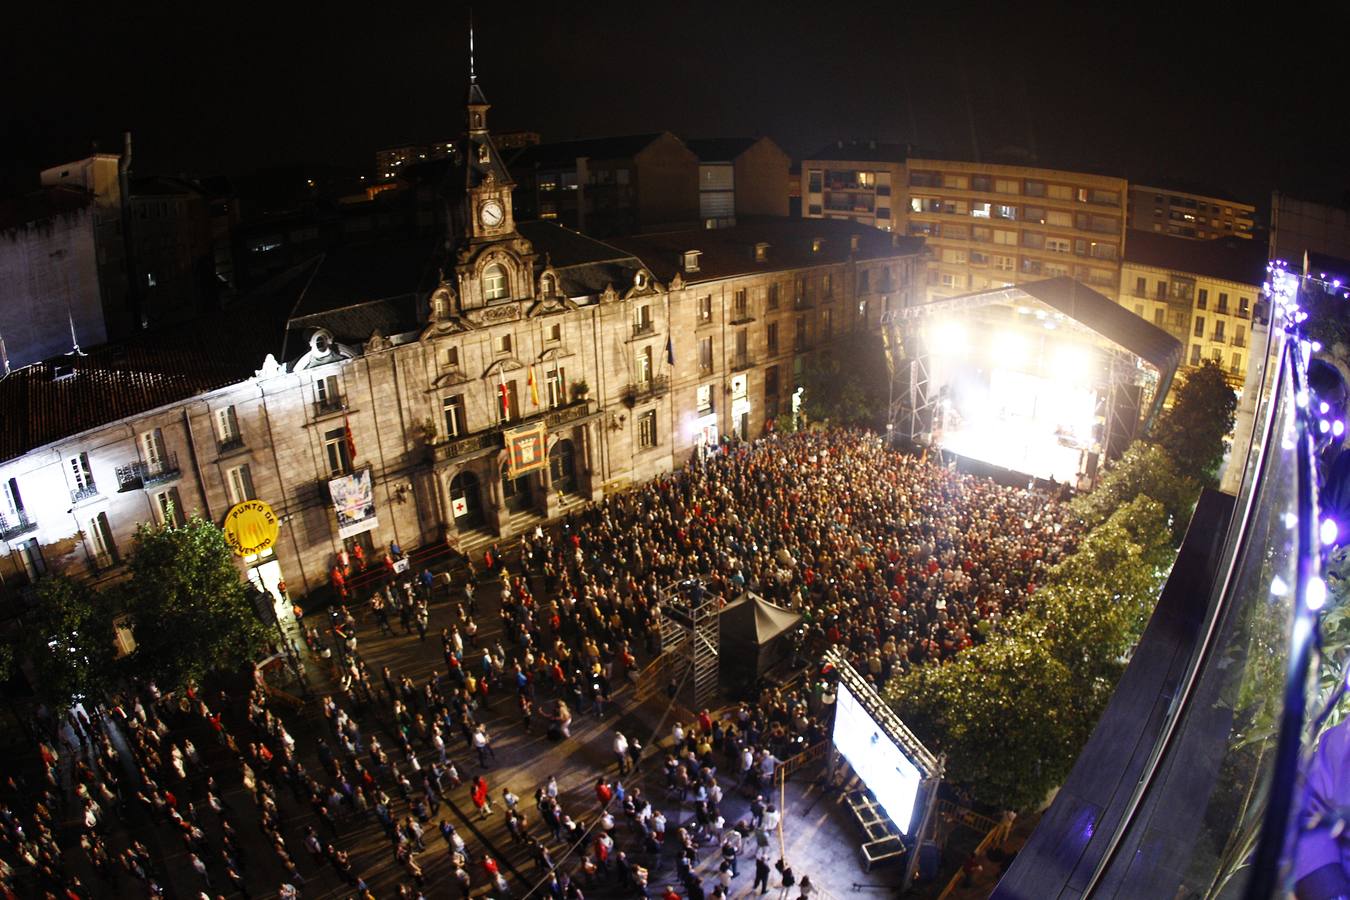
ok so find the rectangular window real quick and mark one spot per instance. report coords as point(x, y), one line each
point(101, 541)
point(981, 183)
point(168, 509)
point(1057, 245)
point(957, 182)
point(705, 356)
point(1033, 239)
point(1059, 218)
point(1219, 331)
point(1199, 326)
point(326, 395)
point(82, 476)
point(1059, 192)
point(773, 296)
point(1007, 238)
point(554, 333)
point(954, 256)
point(450, 358)
point(813, 180)
point(1005, 211)
point(643, 364)
point(705, 399)
point(1223, 304)
point(1158, 315)
point(1005, 186)
point(1195, 354)
point(152, 449)
point(705, 310)
point(239, 484)
point(1033, 188)
point(504, 344)
point(771, 381)
point(227, 428)
point(1202, 299)
point(827, 282)
point(335, 452)
point(864, 281)
point(1102, 250)
point(1005, 263)
point(771, 338)
point(1141, 287)
point(980, 210)
point(506, 400)
point(647, 429)
point(800, 339)
point(452, 408)
point(1244, 306)
point(1236, 367)
point(740, 304)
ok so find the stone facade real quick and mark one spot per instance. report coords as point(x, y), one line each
point(628, 357)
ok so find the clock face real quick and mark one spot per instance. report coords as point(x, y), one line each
point(491, 214)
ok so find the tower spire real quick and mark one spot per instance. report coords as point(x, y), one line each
point(473, 76)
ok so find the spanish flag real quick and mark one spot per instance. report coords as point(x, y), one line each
point(534, 387)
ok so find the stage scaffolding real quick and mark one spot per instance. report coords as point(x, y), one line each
point(689, 633)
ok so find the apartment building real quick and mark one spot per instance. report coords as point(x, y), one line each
point(1204, 294)
point(1186, 214)
point(856, 181)
point(990, 225)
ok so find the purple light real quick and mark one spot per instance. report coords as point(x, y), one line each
point(1329, 531)
point(1338, 428)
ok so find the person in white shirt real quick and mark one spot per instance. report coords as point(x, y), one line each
point(771, 819)
point(621, 751)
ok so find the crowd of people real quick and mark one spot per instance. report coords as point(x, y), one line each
point(897, 559)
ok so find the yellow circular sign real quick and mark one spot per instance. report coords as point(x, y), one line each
point(251, 527)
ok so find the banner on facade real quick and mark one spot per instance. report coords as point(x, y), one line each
point(526, 449)
point(354, 502)
point(251, 527)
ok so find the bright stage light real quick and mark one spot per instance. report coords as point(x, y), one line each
point(948, 338)
point(1010, 349)
point(1072, 363)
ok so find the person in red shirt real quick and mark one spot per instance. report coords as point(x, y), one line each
point(670, 894)
point(603, 792)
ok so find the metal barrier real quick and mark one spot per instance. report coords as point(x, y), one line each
point(793, 763)
point(997, 835)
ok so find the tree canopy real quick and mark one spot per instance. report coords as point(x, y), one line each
point(188, 605)
point(67, 639)
point(1013, 713)
point(1144, 469)
point(1193, 430)
point(848, 384)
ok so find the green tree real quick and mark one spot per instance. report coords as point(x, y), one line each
point(847, 384)
point(187, 605)
point(67, 642)
point(1013, 713)
point(1144, 469)
point(1194, 428)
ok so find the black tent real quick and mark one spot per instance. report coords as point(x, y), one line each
point(753, 639)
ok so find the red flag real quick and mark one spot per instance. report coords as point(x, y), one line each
point(506, 399)
point(351, 442)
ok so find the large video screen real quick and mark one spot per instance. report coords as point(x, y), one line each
point(886, 771)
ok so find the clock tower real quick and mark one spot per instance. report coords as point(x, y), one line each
point(487, 211)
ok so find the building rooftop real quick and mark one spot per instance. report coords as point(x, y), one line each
point(584, 265)
point(66, 395)
point(1168, 185)
point(1230, 258)
point(720, 149)
point(565, 153)
point(728, 252)
point(42, 204)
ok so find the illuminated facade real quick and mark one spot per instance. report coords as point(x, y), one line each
point(1189, 215)
point(529, 370)
point(1204, 295)
point(858, 181)
point(994, 225)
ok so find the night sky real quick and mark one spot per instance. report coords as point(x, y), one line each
point(1221, 98)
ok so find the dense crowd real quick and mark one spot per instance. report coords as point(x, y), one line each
point(899, 560)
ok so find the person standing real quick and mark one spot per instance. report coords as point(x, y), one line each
point(761, 875)
point(621, 751)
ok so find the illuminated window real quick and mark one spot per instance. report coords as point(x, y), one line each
point(494, 282)
point(647, 429)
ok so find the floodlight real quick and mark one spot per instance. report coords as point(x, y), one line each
point(1010, 349)
point(948, 338)
point(1072, 363)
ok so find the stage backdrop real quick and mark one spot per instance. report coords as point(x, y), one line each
point(354, 502)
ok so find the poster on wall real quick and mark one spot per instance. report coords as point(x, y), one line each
point(354, 502)
point(525, 449)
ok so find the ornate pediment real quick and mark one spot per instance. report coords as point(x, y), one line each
point(450, 377)
point(547, 305)
point(457, 325)
point(322, 351)
point(505, 364)
point(487, 316)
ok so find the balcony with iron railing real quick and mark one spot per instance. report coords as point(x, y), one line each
point(148, 474)
point(230, 444)
point(489, 438)
point(330, 405)
point(742, 361)
point(639, 391)
point(642, 329)
point(15, 525)
point(86, 492)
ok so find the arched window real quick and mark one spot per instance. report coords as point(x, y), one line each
point(494, 282)
point(546, 285)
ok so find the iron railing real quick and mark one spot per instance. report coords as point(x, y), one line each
point(12, 527)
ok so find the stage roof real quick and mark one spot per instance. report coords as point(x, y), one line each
point(1094, 311)
point(758, 618)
